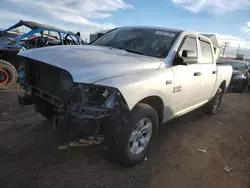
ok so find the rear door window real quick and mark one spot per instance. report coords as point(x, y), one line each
point(206, 52)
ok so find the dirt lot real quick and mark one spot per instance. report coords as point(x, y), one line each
point(34, 160)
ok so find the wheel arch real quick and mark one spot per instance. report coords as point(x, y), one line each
point(156, 103)
point(223, 86)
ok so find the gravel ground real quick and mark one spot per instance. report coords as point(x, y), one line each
point(34, 160)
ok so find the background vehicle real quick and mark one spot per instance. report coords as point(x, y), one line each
point(241, 75)
point(125, 84)
point(240, 57)
point(11, 34)
point(94, 36)
point(33, 35)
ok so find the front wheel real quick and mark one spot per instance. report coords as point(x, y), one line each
point(8, 75)
point(132, 146)
point(244, 88)
point(212, 107)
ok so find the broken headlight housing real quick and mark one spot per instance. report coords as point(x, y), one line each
point(95, 96)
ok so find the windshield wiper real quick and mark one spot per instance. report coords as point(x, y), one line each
point(132, 51)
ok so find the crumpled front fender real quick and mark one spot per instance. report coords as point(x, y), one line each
point(138, 86)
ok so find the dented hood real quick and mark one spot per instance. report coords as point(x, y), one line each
point(88, 64)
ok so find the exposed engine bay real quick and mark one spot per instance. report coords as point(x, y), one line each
point(89, 108)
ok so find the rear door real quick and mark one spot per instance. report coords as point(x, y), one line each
point(209, 69)
point(187, 78)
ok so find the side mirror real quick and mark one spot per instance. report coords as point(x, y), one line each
point(179, 61)
point(188, 54)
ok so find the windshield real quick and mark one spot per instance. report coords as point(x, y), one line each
point(150, 42)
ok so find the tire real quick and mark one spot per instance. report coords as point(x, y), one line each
point(240, 90)
point(8, 71)
point(246, 88)
point(122, 149)
point(243, 88)
point(213, 106)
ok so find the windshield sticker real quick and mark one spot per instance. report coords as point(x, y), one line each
point(165, 33)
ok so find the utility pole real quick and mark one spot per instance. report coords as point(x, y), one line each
point(238, 50)
point(226, 44)
point(245, 48)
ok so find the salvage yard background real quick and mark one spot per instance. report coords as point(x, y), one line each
point(175, 161)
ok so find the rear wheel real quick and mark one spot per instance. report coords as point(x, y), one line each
point(132, 146)
point(8, 75)
point(213, 106)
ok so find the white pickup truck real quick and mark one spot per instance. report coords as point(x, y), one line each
point(125, 84)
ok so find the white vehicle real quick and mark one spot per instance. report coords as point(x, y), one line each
point(125, 85)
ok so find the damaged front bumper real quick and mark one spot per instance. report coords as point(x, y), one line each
point(87, 109)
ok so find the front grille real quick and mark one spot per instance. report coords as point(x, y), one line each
point(48, 78)
point(51, 79)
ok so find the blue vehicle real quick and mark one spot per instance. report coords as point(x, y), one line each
point(26, 35)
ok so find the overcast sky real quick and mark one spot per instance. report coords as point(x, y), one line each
point(229, 19)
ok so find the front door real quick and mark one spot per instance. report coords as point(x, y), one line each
point(187, 78)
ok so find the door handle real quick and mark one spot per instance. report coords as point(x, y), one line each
point(197, 74)
point(214, 72)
